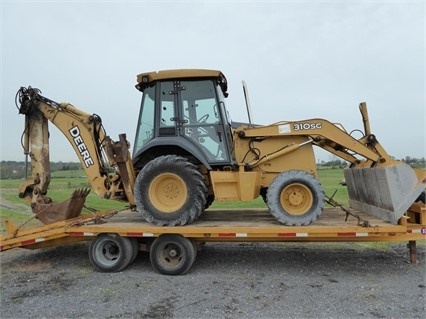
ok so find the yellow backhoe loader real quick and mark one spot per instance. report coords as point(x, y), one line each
point(187, 153)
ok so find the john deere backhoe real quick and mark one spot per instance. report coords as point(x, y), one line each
point(187, 153)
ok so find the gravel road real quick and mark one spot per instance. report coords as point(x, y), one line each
point(228, 280)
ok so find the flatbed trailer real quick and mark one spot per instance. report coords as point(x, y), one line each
point(117, 236)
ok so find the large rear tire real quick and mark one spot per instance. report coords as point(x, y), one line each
point(172, 254)
point(170, 191)
point(295, 198)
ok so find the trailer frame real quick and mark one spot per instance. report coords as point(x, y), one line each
point(224, 225)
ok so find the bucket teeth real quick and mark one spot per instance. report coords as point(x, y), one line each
point(384, 192)
point(80, 193)
point(49, 213)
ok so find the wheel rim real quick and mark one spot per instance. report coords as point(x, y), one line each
point(170, 256)
point(108, 253)
point(296, 199)
point(168, 192)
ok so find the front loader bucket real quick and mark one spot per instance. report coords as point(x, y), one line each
point(49, 213)
point(385, 192)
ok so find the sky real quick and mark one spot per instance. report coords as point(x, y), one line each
point(300, 60)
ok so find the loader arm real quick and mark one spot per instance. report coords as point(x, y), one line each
point(324, 134)
point(377, 184)
point(97, 153)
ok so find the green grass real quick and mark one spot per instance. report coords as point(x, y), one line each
point(330, 180)
point(10, 184)
point(63, 184)
point(15, 216)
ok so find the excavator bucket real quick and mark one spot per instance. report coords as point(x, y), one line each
point(49, 213)
point(385, 192)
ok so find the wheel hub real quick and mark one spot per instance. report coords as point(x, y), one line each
point(168, 192)
point(173, 253)
point(296, 199)
point(171, 191)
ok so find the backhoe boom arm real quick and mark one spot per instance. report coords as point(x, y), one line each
point(97, 153)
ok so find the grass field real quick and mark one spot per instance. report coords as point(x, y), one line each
point(63, 184)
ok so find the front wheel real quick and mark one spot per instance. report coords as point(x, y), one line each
point(295, 198)
point(172, 254)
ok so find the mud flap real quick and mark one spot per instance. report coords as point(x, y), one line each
point(384, 192)
point(49, 213)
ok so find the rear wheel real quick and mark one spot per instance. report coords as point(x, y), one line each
point(295, 197)
point(170, 191)
point(110, 252)
point(172, 254)
point(263, 193)
point(210, 200)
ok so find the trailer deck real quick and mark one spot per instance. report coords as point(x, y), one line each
point(225, 225)
point(215, 225)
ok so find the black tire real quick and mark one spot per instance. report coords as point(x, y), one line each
point(295, 198)
point(170, 191)
point(135, 248)
point(172, 254)
point(110, 252)
point(263, 193)
point(210, 200)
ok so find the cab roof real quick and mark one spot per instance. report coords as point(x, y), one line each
point(149, 77)
point(145, 79)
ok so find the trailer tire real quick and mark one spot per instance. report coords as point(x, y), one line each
point(170, 191)
point(295, 198)
point(172, 254)
point(110, 252)
point(135, 248)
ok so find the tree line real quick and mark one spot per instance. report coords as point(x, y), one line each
point(18, 170)
point(335, 162)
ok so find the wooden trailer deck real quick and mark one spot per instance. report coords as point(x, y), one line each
point(214, 225)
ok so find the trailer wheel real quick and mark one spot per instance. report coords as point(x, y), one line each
point(135, 248)
point(295, 197)
point(110, 252)
point(172, 254)
point(170, 191)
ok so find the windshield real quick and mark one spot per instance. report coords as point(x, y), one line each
point(145, 128)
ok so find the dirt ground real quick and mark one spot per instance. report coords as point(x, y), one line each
point(228, 280)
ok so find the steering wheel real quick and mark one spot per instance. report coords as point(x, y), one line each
point(203, 119)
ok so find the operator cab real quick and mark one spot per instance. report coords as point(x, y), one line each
point(183, 112)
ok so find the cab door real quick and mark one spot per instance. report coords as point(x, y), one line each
point(202, 121)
